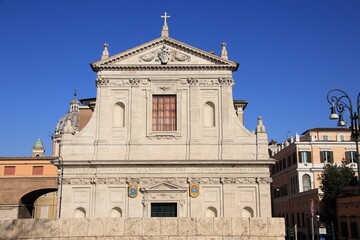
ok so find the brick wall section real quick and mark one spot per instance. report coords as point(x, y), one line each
point(145, 228)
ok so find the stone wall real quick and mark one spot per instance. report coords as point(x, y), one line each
point(145, 228)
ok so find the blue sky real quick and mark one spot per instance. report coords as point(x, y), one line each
point(291, 54)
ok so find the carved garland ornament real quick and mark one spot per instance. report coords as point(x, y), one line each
point(100, 81)
point(164, 55)
point(202, 180)
point(181, 197)
point(228, 81)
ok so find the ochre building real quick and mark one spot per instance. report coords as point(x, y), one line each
point(23, 180)
point(299, 164)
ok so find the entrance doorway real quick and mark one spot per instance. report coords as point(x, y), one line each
point(163, 209)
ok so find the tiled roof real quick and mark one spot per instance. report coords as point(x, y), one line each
point(327, 130)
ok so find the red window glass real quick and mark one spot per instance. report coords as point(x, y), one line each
point(9, 170)
point(164, 113)
point(38, 170)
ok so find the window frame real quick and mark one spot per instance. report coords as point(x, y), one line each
point(326, 156)
point(163, 87)
point(306, 182)
point(162, 205)
point(350, 157)
point(308, 157)
point(158, 123)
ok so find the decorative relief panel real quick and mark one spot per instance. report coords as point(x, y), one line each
point(264, 180)
point(100, 81)
point(162, 180)
point(232, 180)
point(81, 181)
point(227, 81)
point(164, 55)
point(174, 180)
point(148, 198)
point(164, 137)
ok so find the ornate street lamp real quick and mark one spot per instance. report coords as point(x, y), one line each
point(340, 102)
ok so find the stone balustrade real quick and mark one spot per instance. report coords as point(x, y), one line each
point(183, 228)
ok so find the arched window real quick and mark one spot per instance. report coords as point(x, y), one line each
point(211, 212)
point(80, 213)
point(119, 115)
point(247, 212)
point(209, 114)
point(306, 182)
point(116, 212)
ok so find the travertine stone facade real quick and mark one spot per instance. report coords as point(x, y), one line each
point(125, 145)
point(145, 228)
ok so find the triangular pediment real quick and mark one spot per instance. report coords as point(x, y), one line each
point(165, 187)
point(164, 52)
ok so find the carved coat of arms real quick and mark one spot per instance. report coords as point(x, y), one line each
point(194, 190)
point(164, 55)
point(133, 191)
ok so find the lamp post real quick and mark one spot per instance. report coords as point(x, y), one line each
point(340, 102)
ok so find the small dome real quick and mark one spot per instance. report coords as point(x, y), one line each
point(72, 115)
point(74, 119)
point(38, 144)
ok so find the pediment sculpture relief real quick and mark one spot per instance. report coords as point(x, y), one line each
point(164, 55)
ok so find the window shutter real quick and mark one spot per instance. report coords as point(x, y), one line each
point(347, 157)
point(300, 158)
point(322, 156)
point(294, 158)
point(309, 157)
point(38, 170)
point(331, 157)
point(9, 170)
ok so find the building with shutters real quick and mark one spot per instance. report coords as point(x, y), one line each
point(163, 137)
point(299, 164)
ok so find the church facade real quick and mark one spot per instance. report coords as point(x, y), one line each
point(165, 138)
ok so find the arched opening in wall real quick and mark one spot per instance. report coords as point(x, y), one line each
point(119, 115)
point(209, 114)
point(27, 203)
point(116, 212)
point(80, 213)
point(45, 205)
point(306, 182)
point(211, 212)
point(247, 212)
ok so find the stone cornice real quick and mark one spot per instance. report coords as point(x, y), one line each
point(187, 163)
point(153, 67)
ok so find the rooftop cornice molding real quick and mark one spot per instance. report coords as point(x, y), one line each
point(194, 163)
point(174, 67)
point(108, 63)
